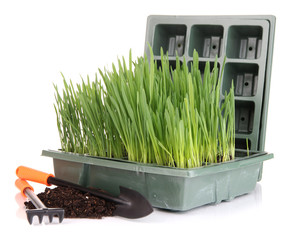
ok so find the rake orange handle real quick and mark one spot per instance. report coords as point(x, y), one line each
point(33, 175)
point(21, 184)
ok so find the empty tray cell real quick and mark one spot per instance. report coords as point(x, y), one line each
point(202, 66)
point(240, 143)
point(172, 64)
point(206, 39)
point(171, 38)
point(244, 76)
point(244, 42)
point(244, 115)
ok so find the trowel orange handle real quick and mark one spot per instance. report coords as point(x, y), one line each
point(33, 175)
point(22, 185)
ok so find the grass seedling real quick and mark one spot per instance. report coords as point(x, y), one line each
point(247, 147)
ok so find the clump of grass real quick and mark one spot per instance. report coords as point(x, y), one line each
point(165, 116)
point(83, 124)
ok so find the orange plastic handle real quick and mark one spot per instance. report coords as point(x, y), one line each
point(21, 184)
point(33, 175)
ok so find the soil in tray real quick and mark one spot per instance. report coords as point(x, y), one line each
point(75, 203)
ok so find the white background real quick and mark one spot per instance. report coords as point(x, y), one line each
point(40, 39)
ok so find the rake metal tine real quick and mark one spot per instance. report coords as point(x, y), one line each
point(29, 217)
point(60, 215)
point(40, 217)
point(51, 217)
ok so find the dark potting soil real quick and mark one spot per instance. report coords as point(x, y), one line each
point(75, 203)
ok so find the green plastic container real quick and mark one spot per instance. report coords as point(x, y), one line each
point(247, 43)
point(164, 187)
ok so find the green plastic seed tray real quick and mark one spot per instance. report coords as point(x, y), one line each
point(246, 44)
point(164, 187)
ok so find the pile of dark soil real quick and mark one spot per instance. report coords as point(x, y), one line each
point(75, 203)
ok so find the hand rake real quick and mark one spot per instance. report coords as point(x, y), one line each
point(41, 210)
